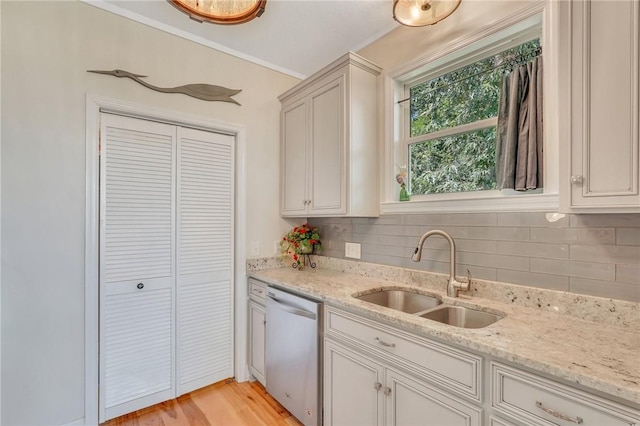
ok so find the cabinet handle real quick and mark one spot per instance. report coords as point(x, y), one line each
point(576, 180)
point(140, 286)
point(559, 415)
point(385, 344)
point(377, 386)
point(387, 391)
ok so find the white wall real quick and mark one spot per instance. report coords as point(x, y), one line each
point(45, 52)
point(405, 44)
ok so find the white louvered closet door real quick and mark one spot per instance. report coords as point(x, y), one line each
point(137, 252)
point(204, 258)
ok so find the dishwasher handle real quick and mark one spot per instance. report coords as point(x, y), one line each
point(292, 310)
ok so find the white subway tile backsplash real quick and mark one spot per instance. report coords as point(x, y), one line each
point(430, 220)
point(587, 254)
point(548, 281)
point(628, 236)
point(553, 251)
point(518, 263)
point(574, 235)
point(416, 231)
point(498, 233)
point(612, 290)
point(537, 220)
point(605, 253)
point(628, 273)
point(360, 228)
point(471, 219)
point(592, 270)
point(605, 220)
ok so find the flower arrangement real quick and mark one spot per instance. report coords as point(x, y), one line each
point(301, 240)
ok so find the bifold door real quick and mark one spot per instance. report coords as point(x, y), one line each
point(166, 256)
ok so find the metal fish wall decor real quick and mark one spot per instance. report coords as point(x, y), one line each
point(206, 92)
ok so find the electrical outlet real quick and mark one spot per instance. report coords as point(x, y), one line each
point(255, 248)
point(276, 246)
point(352, 250)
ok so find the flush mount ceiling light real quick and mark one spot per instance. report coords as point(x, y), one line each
point(419, 13)
point(226, 12)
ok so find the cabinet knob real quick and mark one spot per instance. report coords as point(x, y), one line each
point(576, 180)
point(140, 286)
point(377, 386)
point(387, 391)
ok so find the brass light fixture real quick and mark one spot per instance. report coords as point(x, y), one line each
point(420, 13)
point(225, 12)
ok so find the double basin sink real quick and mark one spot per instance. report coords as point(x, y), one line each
point(430, 308)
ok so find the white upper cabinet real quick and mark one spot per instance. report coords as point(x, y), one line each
point(601, 162)
point(329, 142)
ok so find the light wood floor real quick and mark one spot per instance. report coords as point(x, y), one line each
point(226, 403)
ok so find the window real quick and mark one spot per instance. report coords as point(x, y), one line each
point(443, 119)
point(452, 124)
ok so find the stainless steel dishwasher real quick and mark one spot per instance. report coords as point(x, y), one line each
point(293, 354)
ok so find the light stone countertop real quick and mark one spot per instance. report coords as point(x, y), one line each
point(599, 356)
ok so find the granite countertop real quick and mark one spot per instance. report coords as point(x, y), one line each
point(598, 356)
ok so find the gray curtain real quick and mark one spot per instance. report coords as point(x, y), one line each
point(519, 135)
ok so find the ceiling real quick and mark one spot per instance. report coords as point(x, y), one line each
point(297, 37)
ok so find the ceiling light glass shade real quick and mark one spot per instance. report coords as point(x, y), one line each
point(226, 12)
point(419, 13)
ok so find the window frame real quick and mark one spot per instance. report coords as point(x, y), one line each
point(537, 20)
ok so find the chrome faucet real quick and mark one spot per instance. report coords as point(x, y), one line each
point(454, 286)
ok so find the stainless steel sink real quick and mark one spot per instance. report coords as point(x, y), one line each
point(459, 316)
point(401, 300)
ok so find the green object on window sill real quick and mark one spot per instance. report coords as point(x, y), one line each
point(404, 195)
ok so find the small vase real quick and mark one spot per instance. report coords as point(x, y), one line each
point(404, 195)
point(305, 247)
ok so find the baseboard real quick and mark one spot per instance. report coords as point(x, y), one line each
point(75, 422)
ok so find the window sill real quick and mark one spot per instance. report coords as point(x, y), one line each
point(471, 203)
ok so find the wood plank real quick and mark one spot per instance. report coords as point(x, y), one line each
point(226, 403)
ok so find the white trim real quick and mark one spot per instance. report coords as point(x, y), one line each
point(94, 106)
point(525, 19)
point(457, 130)
point(110, 7)
point(476, 203)
point(75, 422)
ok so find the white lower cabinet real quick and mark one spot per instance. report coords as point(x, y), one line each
point(414, 402)
point(376, 375)
point(352, 387)
point(362, 391)
point(257, 330)
point(532, 400)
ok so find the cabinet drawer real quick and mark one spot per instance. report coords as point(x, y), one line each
point(455, 370)
point(537, 401)
point(257, 290)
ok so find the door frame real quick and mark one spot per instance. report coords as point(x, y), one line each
point(95, 105)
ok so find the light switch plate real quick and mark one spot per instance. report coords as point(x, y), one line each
point(255, 248)
point(352, 250)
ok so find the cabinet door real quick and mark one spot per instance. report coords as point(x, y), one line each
point(605, 100)
point(294, 165)
point(327, 147)
point(204, 267)
point(411, 402)
point(257, 341)
point(352, 388)
point(136, 264)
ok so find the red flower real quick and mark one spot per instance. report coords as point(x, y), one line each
point(295, 257)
